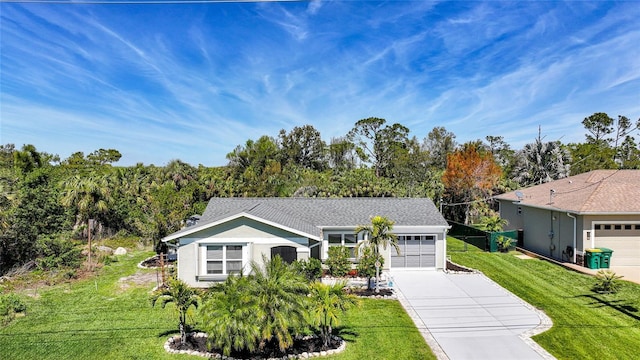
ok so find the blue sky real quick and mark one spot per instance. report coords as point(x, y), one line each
point(192, 81)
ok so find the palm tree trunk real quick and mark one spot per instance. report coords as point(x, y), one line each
point(183, 334)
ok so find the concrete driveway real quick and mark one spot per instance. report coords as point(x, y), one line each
point(630, 273)
point(468, 316)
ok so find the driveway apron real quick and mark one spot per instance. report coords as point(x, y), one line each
point(470, 316)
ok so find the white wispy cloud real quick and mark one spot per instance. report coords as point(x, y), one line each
point(194, 82)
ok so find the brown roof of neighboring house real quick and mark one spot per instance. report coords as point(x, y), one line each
point(597, 191)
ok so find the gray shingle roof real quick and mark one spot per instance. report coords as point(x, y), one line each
point(310, 215)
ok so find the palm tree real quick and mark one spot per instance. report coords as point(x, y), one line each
point(91, 196)
point(179, 173)
point(377, 235)
point(493, 223)
point(183, 297)
point(247, 313)
point(280, 294)
point(540, 162)
point(327, 303)
point(228, 316)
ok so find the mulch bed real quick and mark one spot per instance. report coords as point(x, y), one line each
point(457, 268)
point(271, 350)
point(369, 292)
point(154, 261)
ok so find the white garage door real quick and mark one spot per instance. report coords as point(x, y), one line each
point(623, 239)
point(416, 251)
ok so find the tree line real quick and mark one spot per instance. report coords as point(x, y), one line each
point(47, 202)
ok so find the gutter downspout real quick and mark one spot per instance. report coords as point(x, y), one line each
point(574, 236)
point(444, 250)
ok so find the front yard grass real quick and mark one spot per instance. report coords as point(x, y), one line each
point(381, 329)
point(586, 325)
point(104, 318)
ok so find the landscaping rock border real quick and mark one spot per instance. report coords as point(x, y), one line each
point(361, 283)
point(453, 268)
point(305, 355)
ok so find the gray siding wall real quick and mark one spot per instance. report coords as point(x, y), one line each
point(538, 225)
point(509, 211)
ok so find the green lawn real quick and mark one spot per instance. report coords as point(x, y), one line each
point(586, 325)
point(99, 318)
point(381, 329)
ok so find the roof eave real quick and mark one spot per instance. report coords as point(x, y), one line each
point(196, 228)
point(599, 213)
point(573, 211)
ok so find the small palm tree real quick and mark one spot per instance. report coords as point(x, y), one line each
point(377, 235)
point(280, 293)
point(327, 303)
point(493, 223)
point(228, 316)
point(182, 296)
point(607, 282)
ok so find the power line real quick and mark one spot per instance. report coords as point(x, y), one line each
point(468, 202)
point(597, 183)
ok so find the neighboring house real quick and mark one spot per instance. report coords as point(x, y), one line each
point(232, 232)
point(600, 208)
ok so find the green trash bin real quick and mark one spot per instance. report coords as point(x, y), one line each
point(605, 258)
point(593, 257)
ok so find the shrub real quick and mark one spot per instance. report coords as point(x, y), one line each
point(10, 305)
point(57, 252)
point(338, 260)
point(13, 302)
point(606, 282)
point(504, 243)
point(367, 262)
point(311, 268)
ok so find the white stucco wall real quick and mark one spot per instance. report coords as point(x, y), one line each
point(258, 238)
point(438, 232)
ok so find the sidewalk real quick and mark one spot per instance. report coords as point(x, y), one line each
point(629, 273)
point(468, 316)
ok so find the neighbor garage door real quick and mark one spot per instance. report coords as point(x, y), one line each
point(624, 240)
point(416, 251)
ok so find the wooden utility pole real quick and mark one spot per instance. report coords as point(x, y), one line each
point(89, 237)
point(162, 269)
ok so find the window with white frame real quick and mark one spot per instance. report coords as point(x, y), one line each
point(348, 240)
point(223, 259)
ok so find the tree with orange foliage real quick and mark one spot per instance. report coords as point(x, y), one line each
point(471, 175)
